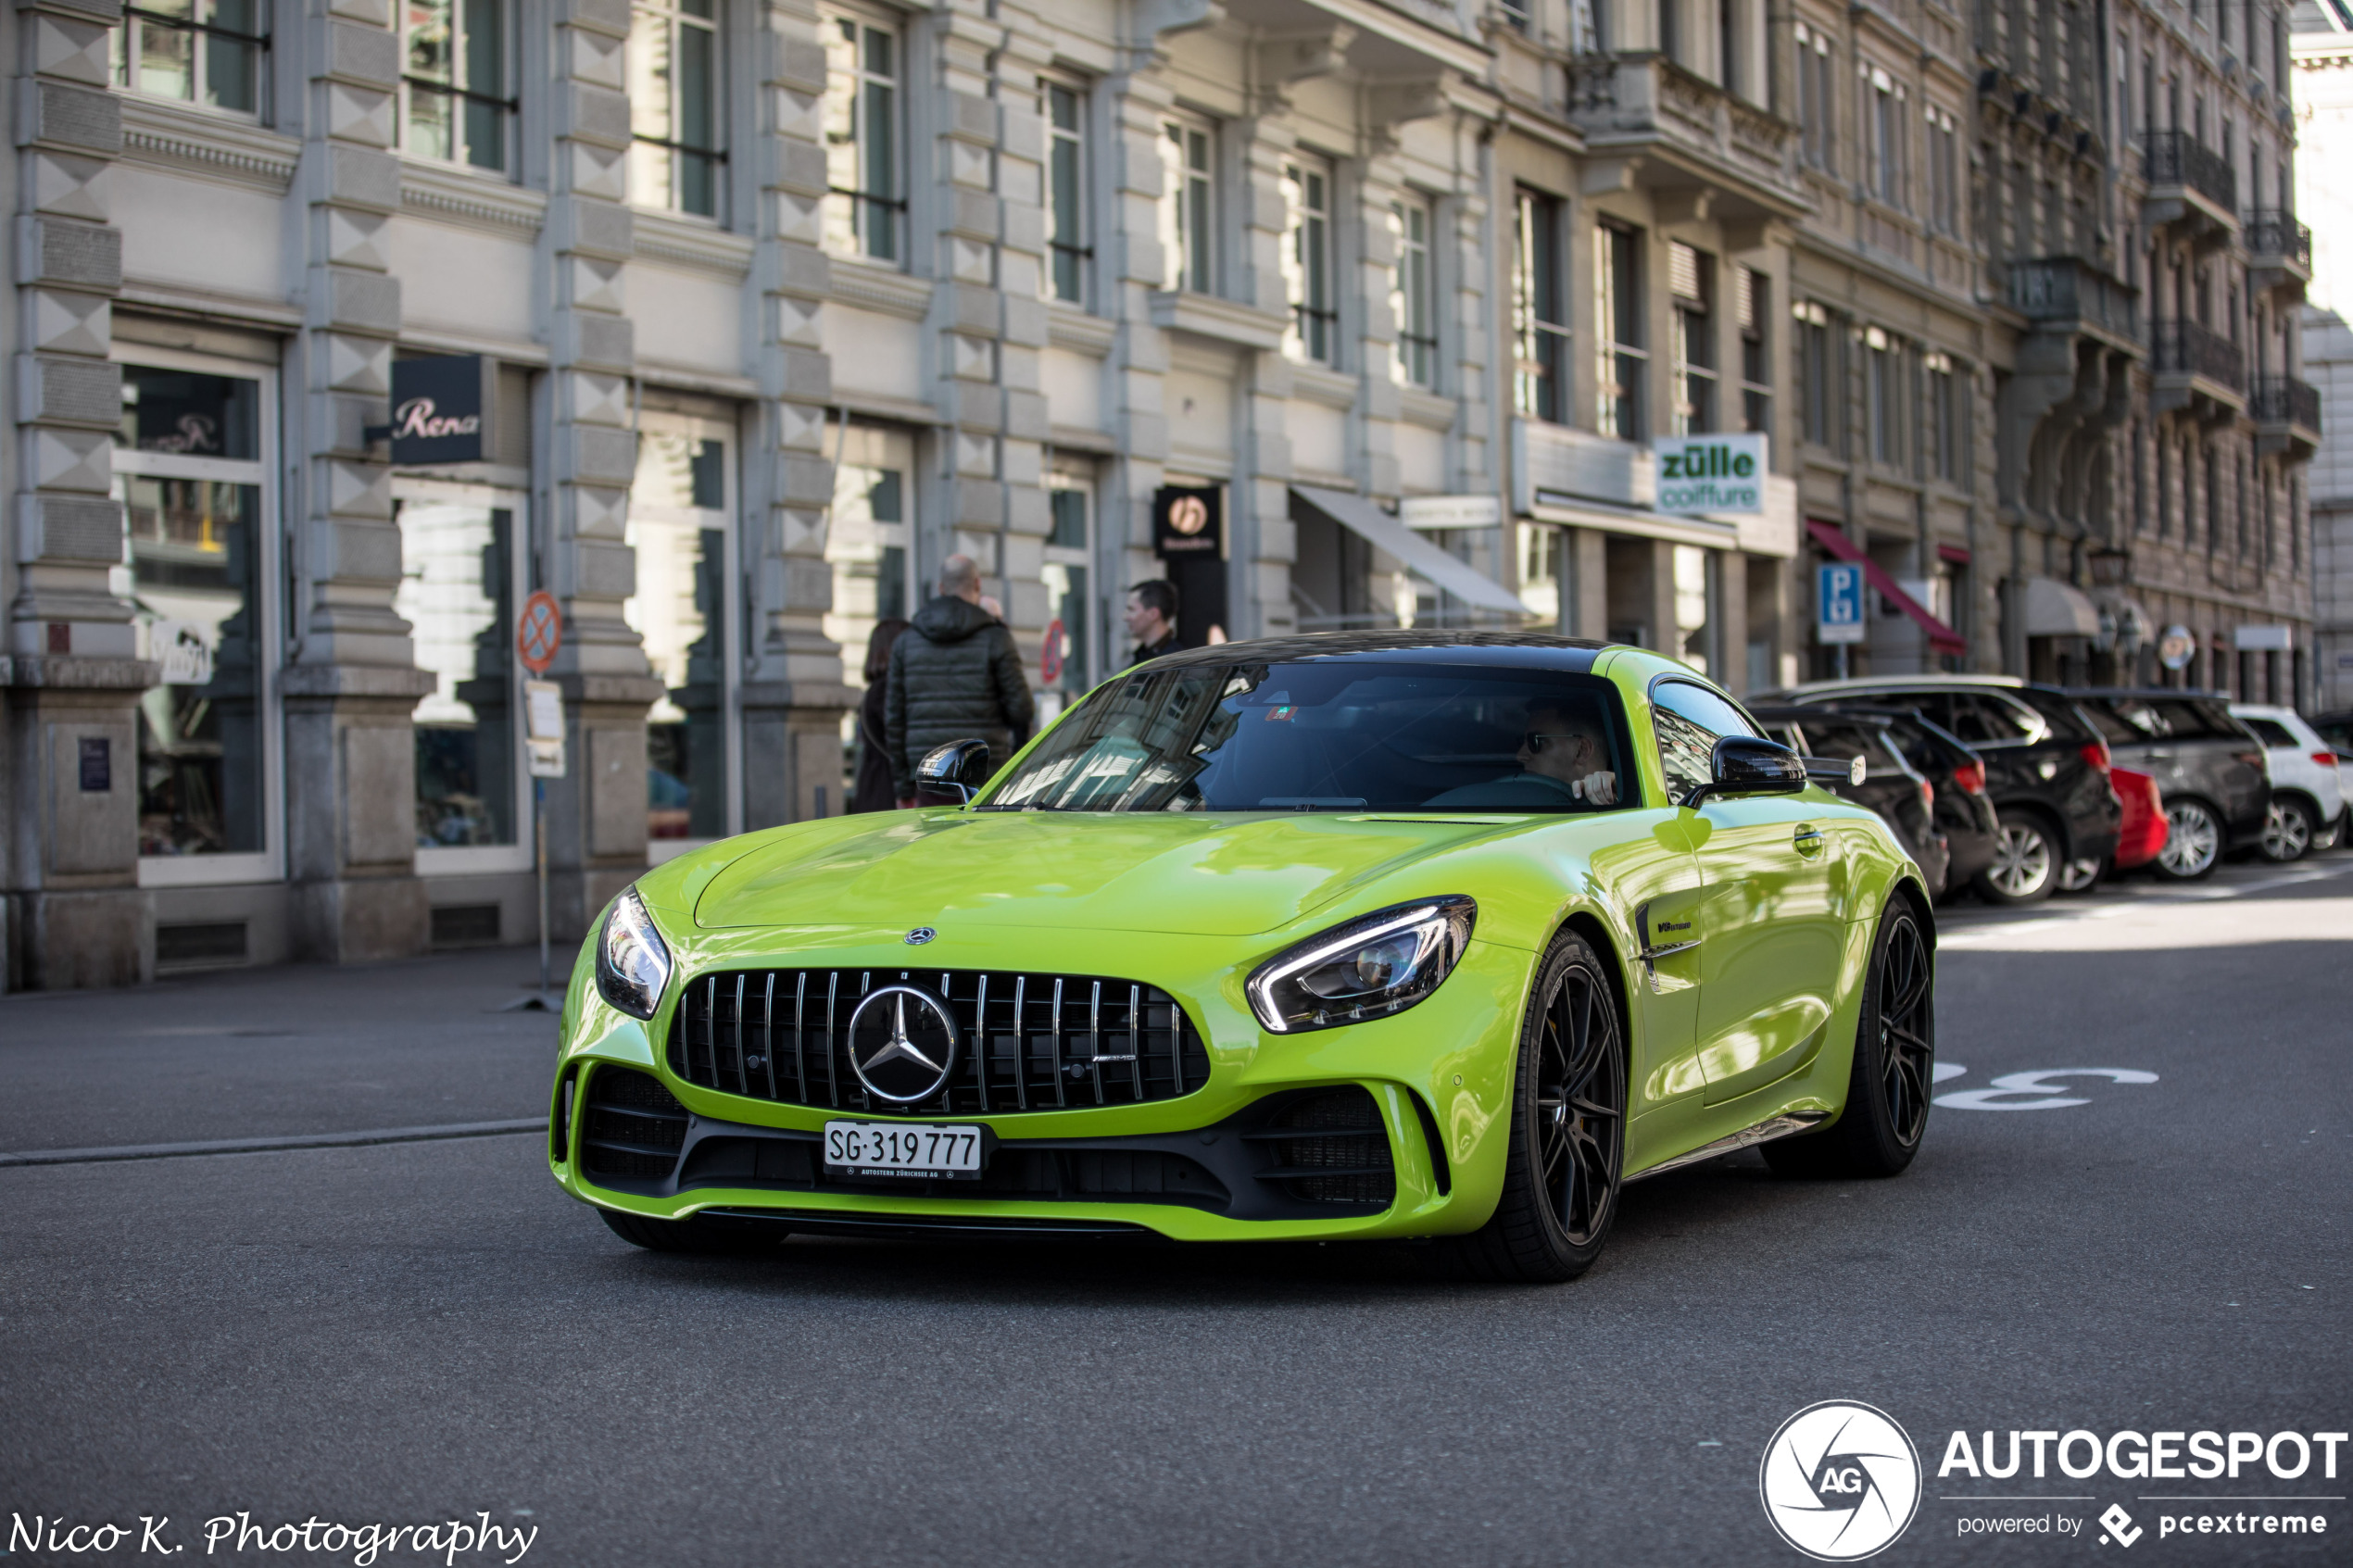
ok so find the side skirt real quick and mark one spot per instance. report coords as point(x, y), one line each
point(1763, 1132)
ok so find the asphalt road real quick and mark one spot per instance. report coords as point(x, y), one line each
point(429, 1331)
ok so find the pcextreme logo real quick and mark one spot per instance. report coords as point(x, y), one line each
point(1840, 1481)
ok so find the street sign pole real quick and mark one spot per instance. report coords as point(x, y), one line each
point(538, 634)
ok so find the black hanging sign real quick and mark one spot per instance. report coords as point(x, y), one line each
point(1189, 520)
point(441, 409)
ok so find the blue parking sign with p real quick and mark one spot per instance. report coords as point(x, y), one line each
point(1838, 602)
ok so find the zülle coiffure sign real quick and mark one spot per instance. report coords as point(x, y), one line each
point(441, 409)
point(1702, 475)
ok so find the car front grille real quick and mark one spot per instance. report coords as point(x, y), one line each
point(1025, 1042)
point(631, 1128)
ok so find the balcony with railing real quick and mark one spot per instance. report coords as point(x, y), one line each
point(2067, 294)
point(2279, 251)
point(1685, 126)
point(2196, 368)
point(2287, 415)
point(2191, 183)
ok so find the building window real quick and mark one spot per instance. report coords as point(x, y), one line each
point(1816, 125)
point(1691, 280)
point(1884, 124)
point(191, 470)
point(866, 200)
point(1308, 260)
point(1883, 365)
point(458, 557)
point(1066, 243)
point(1413, 296)
point(1189, 203)
point(1617, 316)
point(674, 112)
point(1539, 310)
point(1821, 393)
point(454, 88)
point(1753, 303)
point(1515, 14)
point(1944, 172)
point(1944, 417)
point(679, 508)
point(1069, 598)
point(215, 52)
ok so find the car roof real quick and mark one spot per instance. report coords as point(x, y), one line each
point(1792, 713)
point(2175, 691)
point(1896, 683)
point(1533, 650)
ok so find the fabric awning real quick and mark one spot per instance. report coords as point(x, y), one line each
point(1368, 521)
point(1833, 541)
point(2055, 609)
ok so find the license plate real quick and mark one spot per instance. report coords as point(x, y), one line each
point(900, 1148)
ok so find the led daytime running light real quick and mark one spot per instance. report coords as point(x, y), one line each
point(1444, 926)
point(632, 962)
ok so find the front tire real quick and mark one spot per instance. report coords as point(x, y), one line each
point(1887, 1090)
point(1562, 1177)
point(2193, 841)
point(2289, 833)
point(702, 1233)
point(2026, 862)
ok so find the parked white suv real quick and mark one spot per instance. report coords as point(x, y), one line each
point(2307, 800)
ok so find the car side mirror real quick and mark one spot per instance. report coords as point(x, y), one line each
point(1750, 765)
point(951, 773)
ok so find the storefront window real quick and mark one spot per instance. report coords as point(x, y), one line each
point(189, 472)
point(1068, 644)
point(457, 593)
point(869, 537)
point(678, 510)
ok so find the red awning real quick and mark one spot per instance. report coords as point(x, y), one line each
point(1941, 637)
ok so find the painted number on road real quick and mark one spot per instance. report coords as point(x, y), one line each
point(2030, 1091)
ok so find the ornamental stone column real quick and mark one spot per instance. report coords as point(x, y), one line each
point(71, 673)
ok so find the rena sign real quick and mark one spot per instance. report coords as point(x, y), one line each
point(1706, 475)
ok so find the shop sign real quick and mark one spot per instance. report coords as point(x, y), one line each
point(1189, 520)
point(1451, 511)
point(441, 409)
point(2177, 648)
point(1710, 476)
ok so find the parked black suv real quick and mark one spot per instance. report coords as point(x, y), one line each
point(2209, 768)
point(1964, 812)
point(1903, 797)
point(2046, 767)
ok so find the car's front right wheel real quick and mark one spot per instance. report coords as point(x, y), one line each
point(1568, 1153)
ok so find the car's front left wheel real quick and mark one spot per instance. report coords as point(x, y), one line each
point(1568, 1155)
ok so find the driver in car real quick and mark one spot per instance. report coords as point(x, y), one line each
point(1561, 761)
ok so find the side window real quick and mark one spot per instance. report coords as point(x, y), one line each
point(1982, 720)
point(1689, 721)
point(2271, 733)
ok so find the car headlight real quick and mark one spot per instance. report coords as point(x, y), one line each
point(1370, 967)
point(632, 962)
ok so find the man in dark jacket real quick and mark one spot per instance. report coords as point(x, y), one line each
point(955, 675)
point(1151, 619)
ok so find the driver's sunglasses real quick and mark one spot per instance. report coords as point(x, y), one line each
point(1533, 743)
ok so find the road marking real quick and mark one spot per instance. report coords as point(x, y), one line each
point(263, 1146)
point(2002, 1096)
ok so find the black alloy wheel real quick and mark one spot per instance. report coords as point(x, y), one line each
point(2289, 833)
point(1894, 1071)
point(2193, 840)
point(1567, 1163)
point(2026, 866)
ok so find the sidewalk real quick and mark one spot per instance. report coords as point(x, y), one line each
point(292, 1051)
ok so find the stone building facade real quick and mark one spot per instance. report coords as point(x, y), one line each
point(2322, 44)
point(777, 303)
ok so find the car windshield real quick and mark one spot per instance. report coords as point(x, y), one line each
point(1332, 736)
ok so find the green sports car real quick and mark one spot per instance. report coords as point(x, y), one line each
point(1428, 935)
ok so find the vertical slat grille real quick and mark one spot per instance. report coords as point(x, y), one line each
point(1025, 1039)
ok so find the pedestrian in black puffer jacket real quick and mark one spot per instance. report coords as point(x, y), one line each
point(955, 675)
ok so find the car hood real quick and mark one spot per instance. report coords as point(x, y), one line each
point(1206, 875)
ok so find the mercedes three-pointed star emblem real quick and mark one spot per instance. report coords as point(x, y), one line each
point(903, 1043)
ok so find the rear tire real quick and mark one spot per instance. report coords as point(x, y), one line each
point(1887, 1090)
point(703, 1233)
point(2193, 841)
point(1568, 1158)
point(2079, 877)
point(2289, 832)
point(2026, 862)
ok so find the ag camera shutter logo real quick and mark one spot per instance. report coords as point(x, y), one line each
point(1840, 1481)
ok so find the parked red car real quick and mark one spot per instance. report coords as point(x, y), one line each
point(2143, 834)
